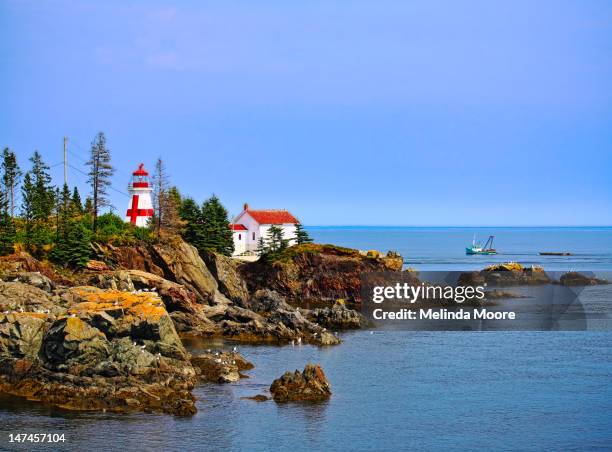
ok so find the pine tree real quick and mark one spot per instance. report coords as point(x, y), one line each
point(88, 206)
point(207, 228)
point(301, 236)
point(61, 249)
point(217, 232)
point(7, 227)
point(75, 202)
point(273, 245)
point(10, 178)
point(38, 203)
point(160, 192)
point(191, 215)
point(44, 196)
point(100, 173)
point(27, 209)
point(78, 244)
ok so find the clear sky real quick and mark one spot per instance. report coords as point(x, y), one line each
point(363, 112)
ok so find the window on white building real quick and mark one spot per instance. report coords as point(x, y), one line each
point(239, 236)
point(253, 236)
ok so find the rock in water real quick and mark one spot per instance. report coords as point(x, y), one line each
point(310, 385)
point(579, 279)
point(220, 367)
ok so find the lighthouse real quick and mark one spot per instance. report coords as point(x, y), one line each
point(140, 208)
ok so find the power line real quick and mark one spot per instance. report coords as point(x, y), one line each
point(86, 160)
point(87, 175)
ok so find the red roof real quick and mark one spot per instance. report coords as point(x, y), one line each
point(140, 171)
point(272, 216)
point(237, 227)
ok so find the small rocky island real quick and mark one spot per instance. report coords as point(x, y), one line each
point(108, 337)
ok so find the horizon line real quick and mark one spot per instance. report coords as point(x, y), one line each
point(451, 226)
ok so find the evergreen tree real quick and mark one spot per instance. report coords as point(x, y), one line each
point(11, 175)
point(191, 215)
point(207, 228)
point(100, 173)
point(160, 192)
point(38, 203)
point(64, 219)
point(217, 232)
point(75, 202)
point(301, 236)
point(7, 227)
point(43, 200)
point(88, 206)
point(27, 208)
point(273, 245)
point(78, 244)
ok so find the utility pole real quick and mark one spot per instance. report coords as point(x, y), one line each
point(65, 161)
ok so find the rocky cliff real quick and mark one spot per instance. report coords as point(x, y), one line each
point(107, 337)
point(85, 348)
point(317, 273)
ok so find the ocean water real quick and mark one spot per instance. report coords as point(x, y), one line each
point(392, 389)
point(443, 248)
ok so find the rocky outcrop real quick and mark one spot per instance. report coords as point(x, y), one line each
point(135, 257)
point(312, 272)
point(94, 350)
point(311, 385)
point(188, 315)
point(338, 317)
point(181, 263)
point(220, 367)
point(224, 270)
point(20, 265)
point(509, 274)
point(274, 321)
point(579, 279)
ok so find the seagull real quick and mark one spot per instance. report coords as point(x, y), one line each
point(235, 349)
point(135, 344)
point(142, 347)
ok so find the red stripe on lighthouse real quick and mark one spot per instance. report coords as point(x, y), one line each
point(134, 210)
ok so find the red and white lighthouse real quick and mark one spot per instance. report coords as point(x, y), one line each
point(140, 208)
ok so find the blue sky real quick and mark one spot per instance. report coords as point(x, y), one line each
point(374, 113)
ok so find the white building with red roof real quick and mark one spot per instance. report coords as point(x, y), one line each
point(249, 225)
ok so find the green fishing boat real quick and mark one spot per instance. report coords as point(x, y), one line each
point(476, 248)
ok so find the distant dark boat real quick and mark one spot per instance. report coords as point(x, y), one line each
point(554, 253)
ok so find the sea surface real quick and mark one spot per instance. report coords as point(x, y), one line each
point(443, 248)
point(392, 389)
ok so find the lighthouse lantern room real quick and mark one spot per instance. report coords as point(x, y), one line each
point(140, 208)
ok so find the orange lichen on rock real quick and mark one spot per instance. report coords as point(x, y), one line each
point(144, 305)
